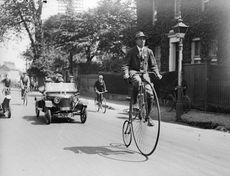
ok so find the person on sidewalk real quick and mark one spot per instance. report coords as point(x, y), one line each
point(140, 59)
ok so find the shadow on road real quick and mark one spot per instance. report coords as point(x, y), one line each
point(123, 117)
point(3, 117)
point(113, 151)
point(89, 110)
point(41, 120)
point(34, 120)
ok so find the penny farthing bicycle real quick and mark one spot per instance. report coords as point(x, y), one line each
point(146, 137)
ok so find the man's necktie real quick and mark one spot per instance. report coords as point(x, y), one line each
point(140, 52)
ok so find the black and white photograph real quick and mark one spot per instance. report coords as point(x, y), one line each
point(114, 87)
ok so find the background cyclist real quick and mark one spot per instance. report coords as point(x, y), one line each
point(140, 58)
point(24, 83)
point(99, 87)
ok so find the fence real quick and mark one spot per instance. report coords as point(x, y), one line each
point(114, 82)
point(208, 85)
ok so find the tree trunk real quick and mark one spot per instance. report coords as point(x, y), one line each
point(71, 63)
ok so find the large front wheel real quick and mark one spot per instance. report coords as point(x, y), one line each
point(145, 136)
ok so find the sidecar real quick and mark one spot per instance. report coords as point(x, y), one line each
point(60, 100)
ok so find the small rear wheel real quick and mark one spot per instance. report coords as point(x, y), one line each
point(127, 133)
point(83, 115)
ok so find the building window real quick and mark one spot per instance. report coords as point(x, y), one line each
point(195, 53)
point(197, 48)
point(213, 49)
point(205, 4)
point(177, 9)
point(157, 53)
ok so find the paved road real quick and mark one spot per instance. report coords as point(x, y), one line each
point(29, 147)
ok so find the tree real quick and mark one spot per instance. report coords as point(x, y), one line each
point(51, 61)
point(93, 33)
point(117, 19)
point(63, 33)
point(19, 16)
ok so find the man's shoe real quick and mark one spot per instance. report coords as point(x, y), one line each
point(150, 123)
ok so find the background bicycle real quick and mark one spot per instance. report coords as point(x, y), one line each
point(145, 137)
point(171, 100)
point(100, 101)
point(167, 91)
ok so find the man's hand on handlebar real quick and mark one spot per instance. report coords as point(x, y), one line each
point(159, 76)
point(126, 76)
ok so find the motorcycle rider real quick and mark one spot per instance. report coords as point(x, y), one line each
point(6, 91)
point(6, 81)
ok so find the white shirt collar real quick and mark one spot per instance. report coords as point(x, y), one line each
point(140, 49)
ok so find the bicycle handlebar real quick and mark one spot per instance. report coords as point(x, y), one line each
point(102, 92)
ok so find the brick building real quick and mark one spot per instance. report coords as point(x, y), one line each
point(206, 54)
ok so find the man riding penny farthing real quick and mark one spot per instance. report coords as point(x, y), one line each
point(144, 111)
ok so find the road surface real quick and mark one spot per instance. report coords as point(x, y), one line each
point(29, 147)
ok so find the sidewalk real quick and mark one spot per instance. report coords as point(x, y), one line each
point(207, 120)
point(202, 119)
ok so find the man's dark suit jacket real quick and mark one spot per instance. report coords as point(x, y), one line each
point(134, 62)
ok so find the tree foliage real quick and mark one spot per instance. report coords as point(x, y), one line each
point(66, 38)
point(23, 16)
point(100, 32)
